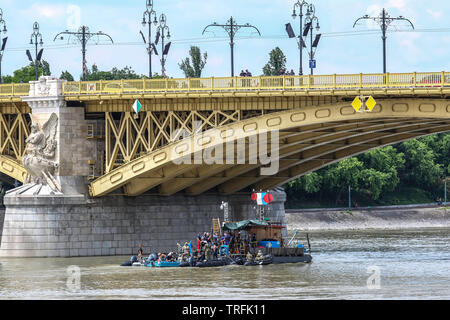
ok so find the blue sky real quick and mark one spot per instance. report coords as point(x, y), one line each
point(350, 53)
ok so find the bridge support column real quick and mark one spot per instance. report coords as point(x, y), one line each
point(72, 226)
point(35, 216)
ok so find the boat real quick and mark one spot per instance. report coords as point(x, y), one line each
point(213, 263)
point(133, 262)
point(268, 259)
point(268, 239)
point(163, 264)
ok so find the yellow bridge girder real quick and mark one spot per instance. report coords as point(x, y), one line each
point(14, 130)
point(310, 138)
point(12, 168)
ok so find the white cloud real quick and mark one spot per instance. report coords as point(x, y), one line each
point(434, 14)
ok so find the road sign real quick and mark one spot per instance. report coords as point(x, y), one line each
point(357, 104)
point(312, 64)
point(137, 106)
point(360, 102)
point(371, 103)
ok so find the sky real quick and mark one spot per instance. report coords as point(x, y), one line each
point(342, 49)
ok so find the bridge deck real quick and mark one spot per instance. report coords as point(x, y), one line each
point(416, 82)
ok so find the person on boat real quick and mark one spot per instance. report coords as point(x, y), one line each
point(193, 259)
point(208, 251)
point(140, 253)
point(249, 257)
point(253, 241)
point(162, 257)
point(227, 238)
point(202, 250)
point(215, 250)
point(215, 238)
point(199, 241)
point(259, 256)
point(186, 252)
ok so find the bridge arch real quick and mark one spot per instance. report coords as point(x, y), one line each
point(309, 139)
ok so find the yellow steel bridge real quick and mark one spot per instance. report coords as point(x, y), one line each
point(312, 115)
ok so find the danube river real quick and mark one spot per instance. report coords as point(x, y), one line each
point(346, 265)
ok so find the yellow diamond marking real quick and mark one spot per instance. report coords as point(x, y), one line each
point(356, 104)
point(371, 103)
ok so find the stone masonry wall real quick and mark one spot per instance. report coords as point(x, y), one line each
point(71, 226)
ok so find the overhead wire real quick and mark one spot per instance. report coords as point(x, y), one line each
point(225, 39)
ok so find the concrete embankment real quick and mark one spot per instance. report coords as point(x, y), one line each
point(375, 218)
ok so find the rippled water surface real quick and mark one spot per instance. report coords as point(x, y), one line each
point(412, 265)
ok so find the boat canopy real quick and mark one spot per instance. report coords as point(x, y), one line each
point(244, 224)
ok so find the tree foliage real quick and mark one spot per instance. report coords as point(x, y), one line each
point(418, 163)
point(28, 73)
point(277, 62)
point(94, 74)
point(194, 69)
point(65, 75)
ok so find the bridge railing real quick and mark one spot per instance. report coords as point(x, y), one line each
point(261, 83)
point(320, 82)
point(14, 89)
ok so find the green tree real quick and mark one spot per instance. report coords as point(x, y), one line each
point(310, 183)
point(94, 74)
point(277, 62)
point(195, 69)
point(388, 162)
point(420, 169)
point(65, 75)
point(28, 73)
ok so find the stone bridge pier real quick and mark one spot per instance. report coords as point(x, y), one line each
point(60, 219)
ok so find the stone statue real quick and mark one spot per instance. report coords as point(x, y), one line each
point(39, 160)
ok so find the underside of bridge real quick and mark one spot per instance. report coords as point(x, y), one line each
point(306, 139)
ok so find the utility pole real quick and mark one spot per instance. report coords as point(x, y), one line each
point(151, 47)
point(231, 27)
point(83, 35)
point(163, 32)
point(34, 41)
point(2, 41)
point(301, 44)
point(384, 20)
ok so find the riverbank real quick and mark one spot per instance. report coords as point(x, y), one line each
point(375, 218)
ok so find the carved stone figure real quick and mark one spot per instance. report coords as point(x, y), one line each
point(39, 160)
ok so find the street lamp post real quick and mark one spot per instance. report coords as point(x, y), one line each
point(83, 35)
point(309, 21)
point(231, 27)
point(384, 20)
point(147, 19)
point(299, 5)
point(34, 41)
point(349, 197)
point(2, 41)
point(445, 192)
point(163, 31)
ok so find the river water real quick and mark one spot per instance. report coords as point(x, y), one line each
point(400, 265)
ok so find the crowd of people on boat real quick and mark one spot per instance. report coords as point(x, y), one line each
point(215, 244)
point(209, 246)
